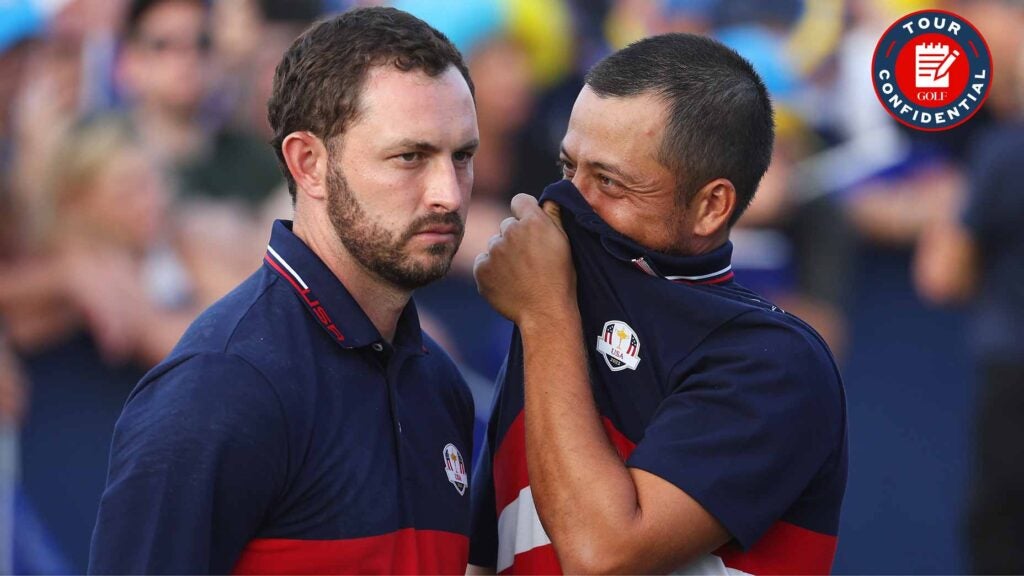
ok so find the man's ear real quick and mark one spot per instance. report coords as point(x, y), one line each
point(712, 207)
point(307, 160)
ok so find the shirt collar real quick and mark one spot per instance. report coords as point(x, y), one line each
point(327, 299)
point(714, 267)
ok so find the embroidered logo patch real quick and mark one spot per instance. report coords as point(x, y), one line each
point(619, 346)
point(455, 468)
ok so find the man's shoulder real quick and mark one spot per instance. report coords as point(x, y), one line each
point(252, 319)
point(243, 332)
point(773, 341)
point(774, 333)
point(692, 317)
point(199, 396)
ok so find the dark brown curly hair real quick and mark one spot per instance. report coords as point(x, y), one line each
point(318, 82)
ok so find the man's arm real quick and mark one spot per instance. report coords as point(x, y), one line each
point(600, 515)
point(198, 457)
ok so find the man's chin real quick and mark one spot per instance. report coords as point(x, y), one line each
point(426, 270)
point(426, 251)
point(435, 266)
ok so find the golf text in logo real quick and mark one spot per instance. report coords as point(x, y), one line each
point(932, 70)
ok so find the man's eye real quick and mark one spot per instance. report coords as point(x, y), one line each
point(463, 157)
point(410, 156)
point(604, 180)
point(565, 167)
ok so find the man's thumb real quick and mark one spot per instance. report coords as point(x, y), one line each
point(554, 213)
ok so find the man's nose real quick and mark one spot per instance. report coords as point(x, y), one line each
point(580, 183)
point(443, 189)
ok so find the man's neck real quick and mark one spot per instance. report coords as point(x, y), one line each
point(381, 301)
point(697, 245)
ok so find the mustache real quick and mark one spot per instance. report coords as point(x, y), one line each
point(422, 223)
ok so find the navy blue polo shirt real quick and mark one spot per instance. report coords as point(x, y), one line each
point(284, 435)
point(699, 381)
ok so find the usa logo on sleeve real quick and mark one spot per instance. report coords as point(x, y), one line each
point(619, 346)
point(455, 467)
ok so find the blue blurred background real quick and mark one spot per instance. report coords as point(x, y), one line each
point(137, 187)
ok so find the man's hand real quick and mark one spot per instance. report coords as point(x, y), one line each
point(527, 272)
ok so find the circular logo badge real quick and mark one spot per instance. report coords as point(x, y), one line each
point(932, 70)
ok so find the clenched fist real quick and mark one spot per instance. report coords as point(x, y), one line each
point(526, 273)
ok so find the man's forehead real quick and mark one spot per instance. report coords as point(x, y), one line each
point(615, 126)
point(412, 106)
point(641, 111)
point(389, 87)
point(387, 76)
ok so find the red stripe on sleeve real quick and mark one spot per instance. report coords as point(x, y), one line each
point(510, 465)
point(406, 551)
point(784, 549)
point(510, 475)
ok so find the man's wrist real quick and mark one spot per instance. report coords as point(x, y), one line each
point(556, 316)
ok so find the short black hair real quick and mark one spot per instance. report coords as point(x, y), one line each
point(318, 83)
point(720, 118)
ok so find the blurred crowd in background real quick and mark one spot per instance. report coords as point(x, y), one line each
point(137, 186)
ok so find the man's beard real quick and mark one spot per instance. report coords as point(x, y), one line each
point(381, 251)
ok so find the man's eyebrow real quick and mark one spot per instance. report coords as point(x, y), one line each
point(471, 145)
point(415, 145)
point(611, 169)
point(427, 147)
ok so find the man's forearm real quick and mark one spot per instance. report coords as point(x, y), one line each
point(585, 496)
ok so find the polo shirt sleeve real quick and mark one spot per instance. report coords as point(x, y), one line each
point(198, 456)
point(483, 541)
point(483, 524)
point(754, 414)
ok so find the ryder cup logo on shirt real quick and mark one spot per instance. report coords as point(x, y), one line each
point(932, 70)
point(455, 467)
point(619, 346)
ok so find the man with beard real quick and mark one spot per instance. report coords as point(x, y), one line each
point(305, 423)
